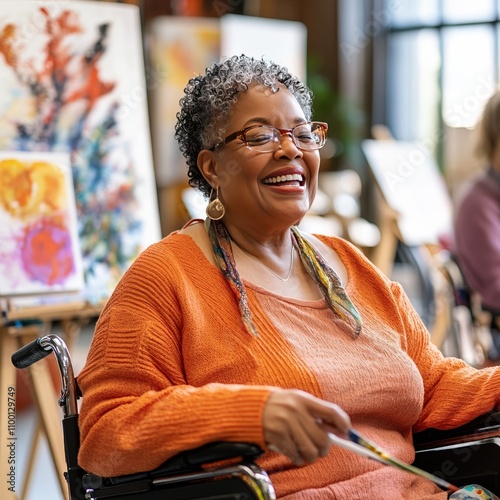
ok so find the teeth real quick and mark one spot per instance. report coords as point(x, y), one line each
point(283, 178)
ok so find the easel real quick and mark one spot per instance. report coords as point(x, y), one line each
point(402, 172)
point(384, 257)
point(15, 332)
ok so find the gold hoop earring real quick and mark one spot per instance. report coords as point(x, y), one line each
point(215, 209)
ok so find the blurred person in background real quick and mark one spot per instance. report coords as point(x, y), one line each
point(477, 223)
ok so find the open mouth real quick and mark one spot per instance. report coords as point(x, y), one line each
point(286, 180)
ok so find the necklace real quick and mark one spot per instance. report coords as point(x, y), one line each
point(266, 267)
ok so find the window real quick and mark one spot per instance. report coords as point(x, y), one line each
point(441, 66)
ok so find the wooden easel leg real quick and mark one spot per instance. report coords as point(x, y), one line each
point(8, 433)
point(71, 329)
point(384, 253)
point(50, 417)
point(442, 322)
point(31, 460)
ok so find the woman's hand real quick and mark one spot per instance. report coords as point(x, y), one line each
point(297, 424)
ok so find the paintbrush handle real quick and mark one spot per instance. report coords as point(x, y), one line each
point(355, 437)
point(356, 448)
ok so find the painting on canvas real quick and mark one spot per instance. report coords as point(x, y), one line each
point(73, 81)
point(179, 48)
point(182, 47)
point(39, 248)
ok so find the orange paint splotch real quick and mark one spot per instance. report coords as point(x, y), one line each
point(31, 188)
point(17, 187)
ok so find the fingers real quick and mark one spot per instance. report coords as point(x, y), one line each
point(330, 415)
point(297, 424)
point(312, 441)
point(298, 444)
point(289, 448)
point(332, 429)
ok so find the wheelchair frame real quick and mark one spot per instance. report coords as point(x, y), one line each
point(186, 476)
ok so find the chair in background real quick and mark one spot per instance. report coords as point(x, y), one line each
point(334, 212)
point(343, 188)
point(468, 336)
point(483, 321)
point(319, 219)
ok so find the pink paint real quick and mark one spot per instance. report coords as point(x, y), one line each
point(46, 253)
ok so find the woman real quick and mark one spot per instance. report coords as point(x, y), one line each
point(244, 329)
point(477, 224)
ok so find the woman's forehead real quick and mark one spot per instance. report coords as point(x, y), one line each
point(264, 98)
point(259, 104)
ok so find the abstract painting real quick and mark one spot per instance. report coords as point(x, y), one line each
point(39, 248)
point(73, 81)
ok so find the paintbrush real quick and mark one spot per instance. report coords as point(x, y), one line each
point(366, 448)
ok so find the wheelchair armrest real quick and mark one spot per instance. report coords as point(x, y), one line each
point(211, 452)
point(194, 459)
point(487, 425)
point(469, 454)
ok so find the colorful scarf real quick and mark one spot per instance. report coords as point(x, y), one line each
point(316, 266)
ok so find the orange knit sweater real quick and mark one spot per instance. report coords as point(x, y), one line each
point(172, 367)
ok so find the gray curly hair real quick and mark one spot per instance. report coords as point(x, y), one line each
point(209, 99)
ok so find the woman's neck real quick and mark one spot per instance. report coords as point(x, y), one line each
point(261, 243)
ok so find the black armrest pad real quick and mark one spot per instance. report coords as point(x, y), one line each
point(192, 460)
point(211, 452)
point(475, 429)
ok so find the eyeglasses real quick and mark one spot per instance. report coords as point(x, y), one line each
point(266, 139)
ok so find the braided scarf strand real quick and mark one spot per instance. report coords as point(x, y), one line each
point(223, 254)
point(316, 266)
point(328, 281)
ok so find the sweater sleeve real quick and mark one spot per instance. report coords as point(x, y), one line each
point(137, 408)
point(454, 392)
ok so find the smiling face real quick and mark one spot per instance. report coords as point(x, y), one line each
point(263, 189)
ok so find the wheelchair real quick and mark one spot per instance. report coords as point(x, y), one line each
point(186, 476)
point(467, 455)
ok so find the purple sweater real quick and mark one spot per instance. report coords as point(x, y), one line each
point(477, 237)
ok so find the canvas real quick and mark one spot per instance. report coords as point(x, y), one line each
point(73, 81)
point(278, 40)
point(39, 248)
point(179, 48)
point(412, 186)
point(183, 47)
